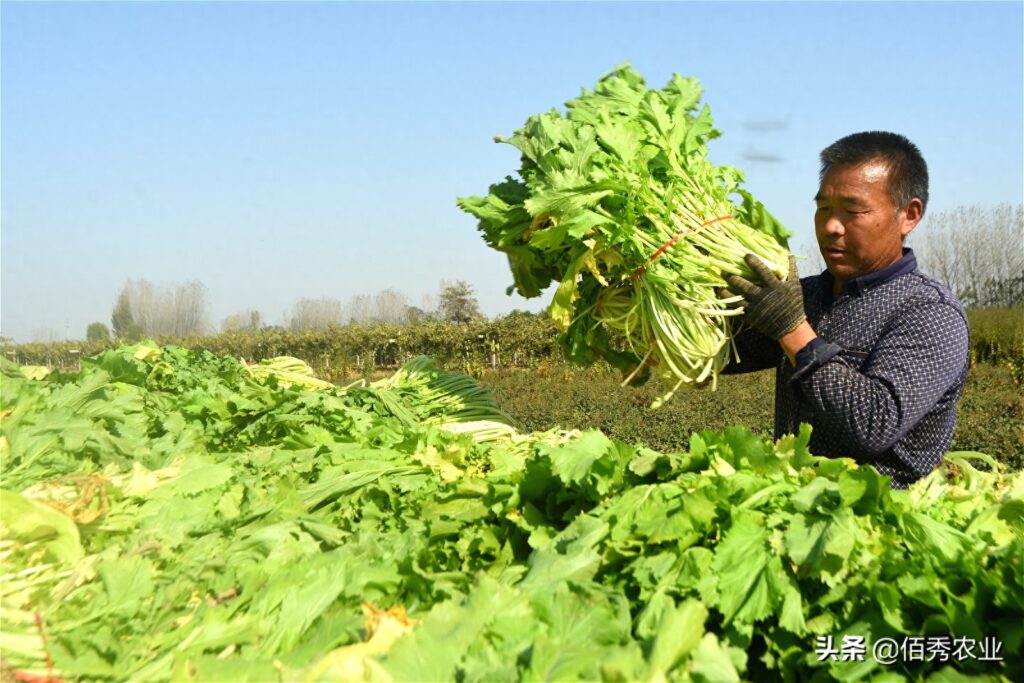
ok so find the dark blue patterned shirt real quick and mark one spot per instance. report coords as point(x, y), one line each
point(881, 382)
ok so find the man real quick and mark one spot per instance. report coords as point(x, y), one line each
point(872, 352)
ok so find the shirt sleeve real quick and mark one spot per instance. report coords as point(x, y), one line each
point(815, 353)
point(873, 400)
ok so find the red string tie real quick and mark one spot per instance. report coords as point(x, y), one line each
point(675, 238)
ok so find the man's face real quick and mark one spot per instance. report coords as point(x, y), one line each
point(858, 227)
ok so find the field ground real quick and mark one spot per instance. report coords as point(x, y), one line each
point(990, 418)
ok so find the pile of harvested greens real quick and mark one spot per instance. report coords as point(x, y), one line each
point(166, 514)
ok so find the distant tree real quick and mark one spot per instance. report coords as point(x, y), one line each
point(457, 302)
point(360, 309)
point(142, 309)
point(414, 314)
point(315, 314)
point(997, 292)
point(191, 310)
point(386, 306)
point(121, 320)
point(147, 312)
point(97, 332)
point(428, 305)
point(390, 307)
point(976, 252)
point(244, 321)
point(46, 335)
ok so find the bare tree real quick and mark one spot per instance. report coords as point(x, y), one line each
point(145, 306)
point(244, 321)
point(46, 335)
point(428, 304)
point(360, 309)
point(977, 252)
point(391, 307)
point(314, 314)
point(191, 310)
point(143, 309)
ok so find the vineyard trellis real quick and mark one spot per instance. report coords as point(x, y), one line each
point(515, 340)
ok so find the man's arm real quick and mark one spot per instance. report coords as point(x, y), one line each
point(872, 406)
point(794, 341)
point(775, 312)
point(903, 378)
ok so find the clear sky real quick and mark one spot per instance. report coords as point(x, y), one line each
point(275, 151)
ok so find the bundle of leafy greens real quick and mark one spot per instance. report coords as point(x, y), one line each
point(167, 515)
point(617, 202)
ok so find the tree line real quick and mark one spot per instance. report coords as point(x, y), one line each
point(144, 310)
point(977, 252)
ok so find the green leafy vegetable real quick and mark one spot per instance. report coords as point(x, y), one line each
point(617, 203)
point(202, 522)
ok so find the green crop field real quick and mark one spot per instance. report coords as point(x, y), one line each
point(175, 514)
point(990, 415)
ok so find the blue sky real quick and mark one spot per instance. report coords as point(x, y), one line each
point(275, 151)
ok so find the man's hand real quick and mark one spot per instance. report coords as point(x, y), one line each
point(772, 307)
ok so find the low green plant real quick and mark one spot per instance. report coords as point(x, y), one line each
point(997, 334)
point(990, 413)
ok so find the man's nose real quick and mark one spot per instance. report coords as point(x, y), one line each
point(834, 226)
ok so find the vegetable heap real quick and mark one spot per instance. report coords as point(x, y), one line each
point(617, 201)
point(168, 515)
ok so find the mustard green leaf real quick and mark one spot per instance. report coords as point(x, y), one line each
point(570, 557)
point(711, 662)
point(680, 630)
point(24, 520)
point(750, 576)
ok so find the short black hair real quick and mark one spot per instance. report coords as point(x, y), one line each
point(908, 172)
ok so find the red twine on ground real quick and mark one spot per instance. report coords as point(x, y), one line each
point(26, 677)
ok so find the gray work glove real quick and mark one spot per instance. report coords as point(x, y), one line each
point(772, 307)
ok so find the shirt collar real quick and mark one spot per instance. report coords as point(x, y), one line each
point(859, 285)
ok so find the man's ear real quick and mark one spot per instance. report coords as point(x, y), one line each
point(911, 216)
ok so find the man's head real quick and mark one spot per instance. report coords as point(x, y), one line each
point(873, 192)
point(908, 173)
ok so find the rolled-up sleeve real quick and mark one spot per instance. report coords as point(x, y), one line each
point(816, 353)
point(872, 402)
